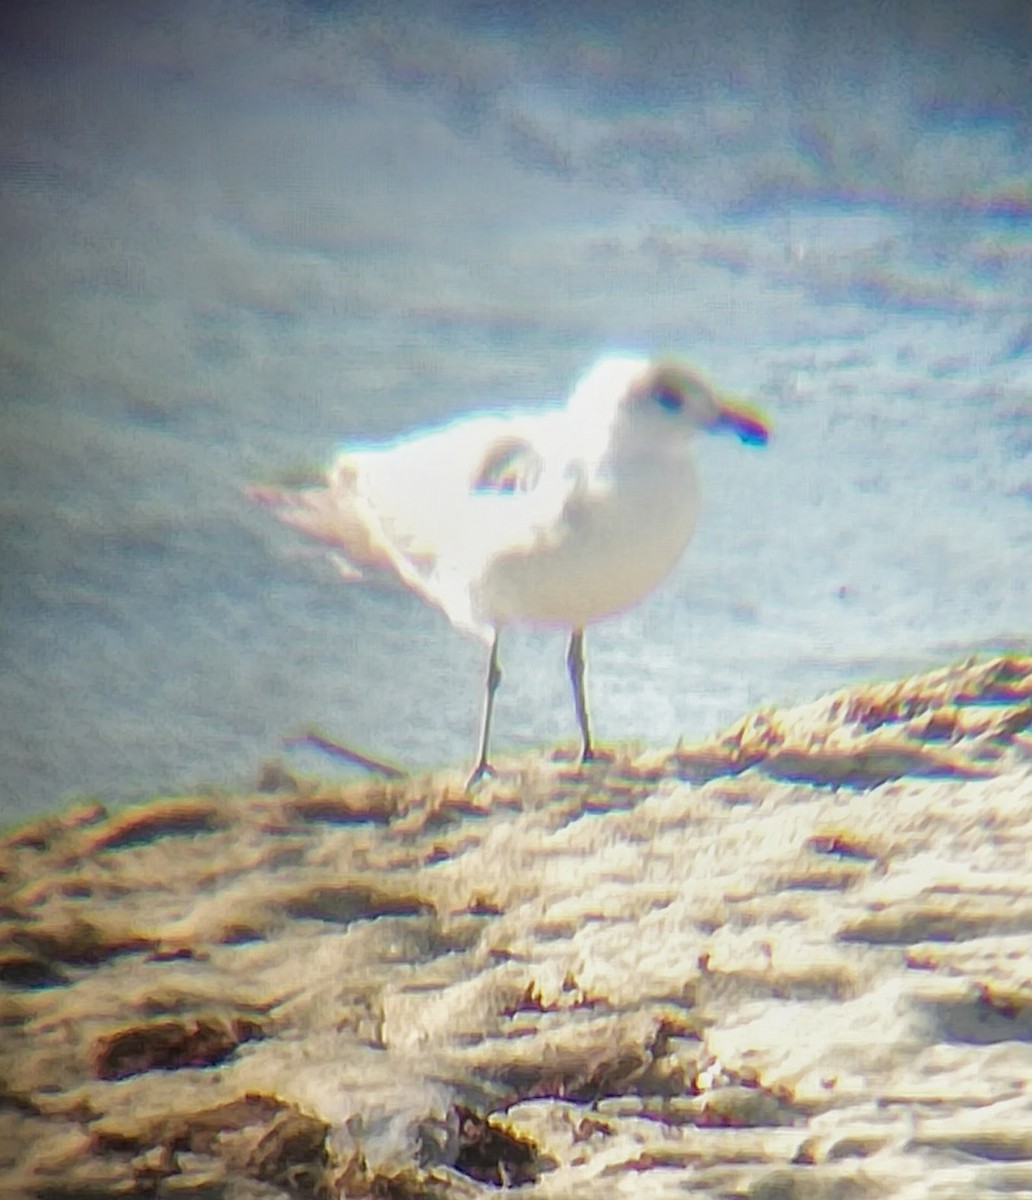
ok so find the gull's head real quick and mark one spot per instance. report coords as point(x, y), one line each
point(662, 401)
point(683, 395)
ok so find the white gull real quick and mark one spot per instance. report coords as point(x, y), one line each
point(554, 518)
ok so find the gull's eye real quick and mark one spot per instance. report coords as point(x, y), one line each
point(668, 397)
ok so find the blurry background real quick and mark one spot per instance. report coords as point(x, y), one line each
point(237, 234)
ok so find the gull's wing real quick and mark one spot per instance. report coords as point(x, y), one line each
point(435, 507)
point(401, 497)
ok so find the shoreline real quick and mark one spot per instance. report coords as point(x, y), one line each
point(790, 959)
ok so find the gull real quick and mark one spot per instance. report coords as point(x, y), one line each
point(555, 518)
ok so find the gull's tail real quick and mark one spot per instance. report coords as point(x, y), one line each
point(328, 517)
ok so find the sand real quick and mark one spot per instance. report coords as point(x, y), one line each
point(794, 961)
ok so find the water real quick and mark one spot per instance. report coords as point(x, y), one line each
point(236, 235)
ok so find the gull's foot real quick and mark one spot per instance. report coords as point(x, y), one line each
point(582, 757)
point(479, 771)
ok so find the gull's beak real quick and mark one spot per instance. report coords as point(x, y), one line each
point(745, 421)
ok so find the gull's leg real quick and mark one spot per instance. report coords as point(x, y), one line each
point(575, 665)
point(494, 677)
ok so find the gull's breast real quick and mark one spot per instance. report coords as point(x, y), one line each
point(612, 547)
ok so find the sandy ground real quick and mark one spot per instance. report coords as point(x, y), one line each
point(795, 961)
